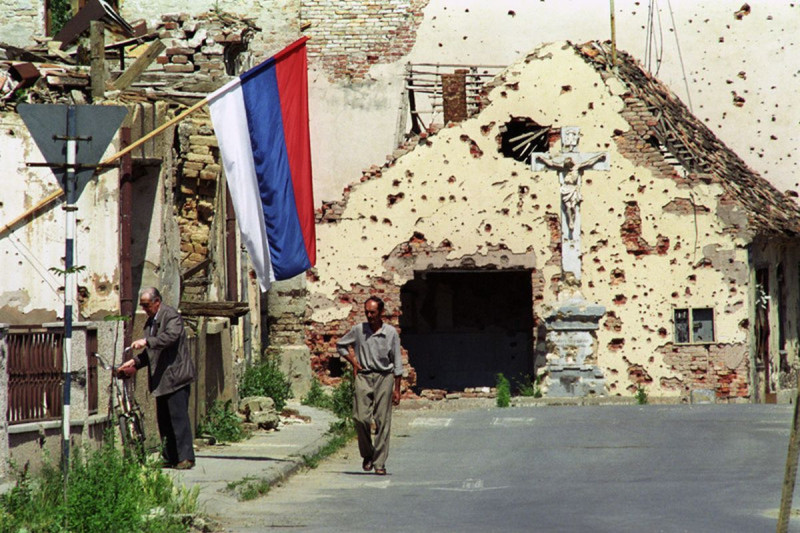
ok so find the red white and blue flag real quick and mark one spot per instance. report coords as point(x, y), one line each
point(261, 124)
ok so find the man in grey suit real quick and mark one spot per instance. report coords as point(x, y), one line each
point(170, 374)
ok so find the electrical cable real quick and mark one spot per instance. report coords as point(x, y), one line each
point(680, 57)
point(653, 45)
point(36, 264)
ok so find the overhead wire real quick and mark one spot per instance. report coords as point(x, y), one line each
point(654, 45)
point(40, 269)
point(680, 57)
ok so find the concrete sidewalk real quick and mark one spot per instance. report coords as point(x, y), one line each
point(268, 457)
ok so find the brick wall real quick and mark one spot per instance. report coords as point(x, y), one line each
point(321, 337)
point(350, 36)
point(21, 20)
point(201, 47)
point(199, 171)
point(723, 368)
point(200, 51)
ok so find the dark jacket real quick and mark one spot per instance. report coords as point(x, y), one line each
point(166, 357)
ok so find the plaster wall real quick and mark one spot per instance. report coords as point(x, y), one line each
point(29, 292)
point(455, 192)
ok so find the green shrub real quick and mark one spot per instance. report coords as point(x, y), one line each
point(503, 391)
point(104, 491)
point(222, 423)
point(342, 398)
point(317, 397)
point(524, 385)
point(267, 379)
point(641, 395)
point(60, 12)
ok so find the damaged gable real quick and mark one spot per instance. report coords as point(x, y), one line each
point(660, 119)
point(458, 201)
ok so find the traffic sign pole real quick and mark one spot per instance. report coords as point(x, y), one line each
point(70, 285)
point(57, 130)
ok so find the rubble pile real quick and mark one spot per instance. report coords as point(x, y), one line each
point(197, 55)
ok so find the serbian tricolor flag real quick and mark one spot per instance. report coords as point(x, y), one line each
point(261, 124)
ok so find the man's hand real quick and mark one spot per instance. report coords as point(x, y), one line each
point(356, 368)
point(396, 391)
point(139, 344)
point(126, 369)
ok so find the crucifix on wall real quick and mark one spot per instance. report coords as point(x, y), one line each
point(570, 165)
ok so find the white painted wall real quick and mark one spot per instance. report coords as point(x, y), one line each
point(26, 254)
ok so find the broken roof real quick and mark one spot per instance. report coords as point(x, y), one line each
point(670, 125)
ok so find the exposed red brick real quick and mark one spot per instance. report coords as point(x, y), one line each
point(631, 231)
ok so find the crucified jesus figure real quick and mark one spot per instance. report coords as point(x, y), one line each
point(570, 175)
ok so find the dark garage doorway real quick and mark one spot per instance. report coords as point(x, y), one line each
point(462, 328)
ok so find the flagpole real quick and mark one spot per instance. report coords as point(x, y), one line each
point(58, 194)
point(155, 132)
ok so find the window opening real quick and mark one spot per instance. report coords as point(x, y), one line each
point(694, 325)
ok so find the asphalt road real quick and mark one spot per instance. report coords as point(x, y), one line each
point(707, 468)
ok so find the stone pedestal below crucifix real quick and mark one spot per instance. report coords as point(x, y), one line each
point(572, 321)
point(572, 349)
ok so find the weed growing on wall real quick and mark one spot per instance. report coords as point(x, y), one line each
point(641, 395)
point(267, 379)
point(104, 491)
point(222, 423)
point(503, 391)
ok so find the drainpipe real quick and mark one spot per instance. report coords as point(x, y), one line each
point(126, 304)
point(3, 400)
point(231, 290)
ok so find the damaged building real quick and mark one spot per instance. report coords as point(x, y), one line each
point(158, 216)
point(689, 257)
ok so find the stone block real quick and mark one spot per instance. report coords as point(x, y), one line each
point(702, 396)
point(296, 364)
point(179, 50)
point(203, 140)
point(253, 404)
point(185, 69)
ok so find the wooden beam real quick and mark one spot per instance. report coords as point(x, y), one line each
point(97, 39)
point(139, 66)
point(214, 309)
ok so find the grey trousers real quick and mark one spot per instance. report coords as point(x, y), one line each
point(373, 401)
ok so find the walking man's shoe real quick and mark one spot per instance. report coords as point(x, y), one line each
point(185, 465)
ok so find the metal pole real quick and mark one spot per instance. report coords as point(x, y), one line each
point(613, 37)
point(790, 473)
point(69, 279)
point(247, 341)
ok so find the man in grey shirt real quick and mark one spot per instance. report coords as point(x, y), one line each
point(377, 369)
